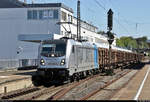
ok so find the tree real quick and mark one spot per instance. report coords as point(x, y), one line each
point(101, 32)
point(127, 42)
point(130, 42)
point(142, 42)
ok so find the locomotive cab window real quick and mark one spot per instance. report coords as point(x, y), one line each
point(53, 50)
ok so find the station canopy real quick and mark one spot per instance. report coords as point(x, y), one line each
point(37, 38)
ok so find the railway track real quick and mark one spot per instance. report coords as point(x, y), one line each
point(57, 93)
point(62, 92)
point(104, 86)
point(75, 93)
point(20, 92)
point(36, 92)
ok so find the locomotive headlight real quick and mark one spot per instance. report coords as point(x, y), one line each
point(42, 62)
point(62, 62)
point(52, 55)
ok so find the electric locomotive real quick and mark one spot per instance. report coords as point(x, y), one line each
point(65, 59)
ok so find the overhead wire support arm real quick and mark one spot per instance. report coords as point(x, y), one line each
point(61, 23)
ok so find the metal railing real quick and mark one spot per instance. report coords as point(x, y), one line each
point(17, 63)
point(8, 63)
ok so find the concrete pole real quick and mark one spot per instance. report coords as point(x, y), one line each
point(5, 90)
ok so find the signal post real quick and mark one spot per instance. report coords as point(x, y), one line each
point(110, 71)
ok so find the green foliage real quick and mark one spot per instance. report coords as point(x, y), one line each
point(105, 33)
point(101, 32)
point(130, 42)
point(142, 42)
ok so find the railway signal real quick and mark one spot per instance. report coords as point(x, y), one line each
point(110, 19)
point(110, 38)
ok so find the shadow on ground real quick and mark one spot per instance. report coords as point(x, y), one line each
point(26, 73)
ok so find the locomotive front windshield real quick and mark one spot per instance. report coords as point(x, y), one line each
point(53, 50)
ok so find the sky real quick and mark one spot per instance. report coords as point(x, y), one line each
point(131, 17)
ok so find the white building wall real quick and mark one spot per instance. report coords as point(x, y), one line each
point(10, 25)
point(14, 22)
point(47, 26)
point(73, 27)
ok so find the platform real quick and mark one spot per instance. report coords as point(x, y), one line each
point(13, 79)
point(138, 88)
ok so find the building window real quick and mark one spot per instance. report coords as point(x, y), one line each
point(48, 14)
point(42, 14)
point(62, 32)
point(64, 16)
point(55, 14)
point(29, 14)
point(69, 18)
point(32, 14)
point(45, 14)
point(35, 15)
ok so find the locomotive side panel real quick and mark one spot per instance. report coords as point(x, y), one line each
point(72, 61)
point(83, 59)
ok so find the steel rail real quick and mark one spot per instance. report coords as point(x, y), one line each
point(104, 86)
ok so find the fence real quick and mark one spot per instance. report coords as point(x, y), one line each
point(27, 62)
point(17, 63)
point(8, 63)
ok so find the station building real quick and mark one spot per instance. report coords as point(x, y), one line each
point(23, 25)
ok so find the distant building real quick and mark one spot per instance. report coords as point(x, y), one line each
point(148, 42)
point(33, 22)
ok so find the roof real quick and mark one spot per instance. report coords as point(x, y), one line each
point(50, 5)
point(11, 4)
point(19, 4)
point(86, 22)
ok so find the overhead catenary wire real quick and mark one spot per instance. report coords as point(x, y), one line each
point(85, 10)
point(130, 23)
point(101, 6)
point(118, 19)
